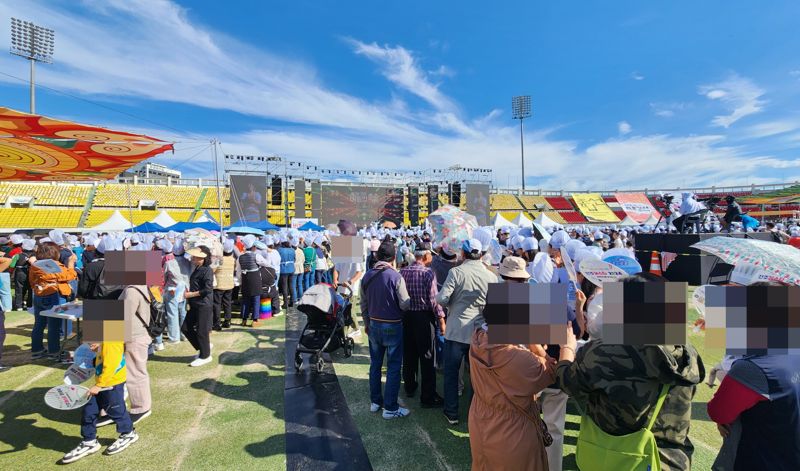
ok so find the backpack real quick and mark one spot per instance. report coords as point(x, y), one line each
point(100, 290)
point(158, 316)
point(638, 451)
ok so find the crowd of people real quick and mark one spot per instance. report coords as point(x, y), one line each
point(421, 308)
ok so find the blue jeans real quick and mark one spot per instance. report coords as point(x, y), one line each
point(5, 291)
point(297, 286)
point(454, 353)
point(173, 317)
point(111, 401)
point(251, 307)
point(43, 303)
point(308, 280)
point(385, 338)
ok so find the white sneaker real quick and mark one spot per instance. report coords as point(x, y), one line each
point(159, 347)
point(84, 449)
point(374, 407)
point(400, 412)
point(124, 441)
point(200, 361)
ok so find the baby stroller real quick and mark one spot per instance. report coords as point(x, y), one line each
point(328, 313)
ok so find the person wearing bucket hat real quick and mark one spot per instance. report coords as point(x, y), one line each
point(464, 295)
point(513, 269)
point(198, 323)
point(22, 286)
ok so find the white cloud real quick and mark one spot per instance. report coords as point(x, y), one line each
point(401, 68)
point(637, 76)
point(669, 109)
point(771, 128)
point(624, 128)
point(740, 95)
point(795, 73)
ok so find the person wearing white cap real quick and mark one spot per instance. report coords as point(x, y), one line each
point(172, 296)
point(274, 261)
point(198, 323)
point(22, 287)
point(464, 295)
point(299, 269)
point(309, 265)
point(223, 276)
point(321, 273)
point(286, 280)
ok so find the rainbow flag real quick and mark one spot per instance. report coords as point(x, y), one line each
point(266, 308)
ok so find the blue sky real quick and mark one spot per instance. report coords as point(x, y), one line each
point(625, 94)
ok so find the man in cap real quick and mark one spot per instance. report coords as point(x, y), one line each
point(384, 298)
point(419, 327)
point(464, 295)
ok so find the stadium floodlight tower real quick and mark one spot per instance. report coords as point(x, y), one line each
point(521, 109)
point(34, 43)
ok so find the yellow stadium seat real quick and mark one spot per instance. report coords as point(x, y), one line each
point(47, 194)
point(33, 218)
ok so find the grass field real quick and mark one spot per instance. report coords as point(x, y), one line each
point(229, 415)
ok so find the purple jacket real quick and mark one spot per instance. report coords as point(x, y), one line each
point(384, 296)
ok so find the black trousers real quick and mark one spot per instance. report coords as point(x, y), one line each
point(197, 327)
point(418, 351)
point(22, 290)
point(222, 302)
point(285, 286)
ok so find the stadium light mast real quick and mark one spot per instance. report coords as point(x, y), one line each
point(521, 109)
point(34, 43)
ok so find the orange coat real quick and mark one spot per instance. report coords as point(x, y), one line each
point(44, 284)
point(502, 436)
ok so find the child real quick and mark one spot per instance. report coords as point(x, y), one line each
point(108, 394)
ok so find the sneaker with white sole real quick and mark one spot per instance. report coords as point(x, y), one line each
point(200, 361)
point(159, 347)
point(374, 407)
point(400, 412)
point(84, 449)
point(103, 421)
point(124, 441)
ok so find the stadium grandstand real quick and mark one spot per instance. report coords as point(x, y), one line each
point(84, 205)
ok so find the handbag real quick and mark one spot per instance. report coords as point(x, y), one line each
point(598, 450)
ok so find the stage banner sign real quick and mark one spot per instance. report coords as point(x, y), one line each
point(637, 206)
point(478, 202)
point(248, 198)
point(594, 208)
point(362, 205)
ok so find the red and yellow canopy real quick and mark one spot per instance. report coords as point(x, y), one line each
point(37, 148)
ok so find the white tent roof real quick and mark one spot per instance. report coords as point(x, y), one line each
point(205, 217)
point(651, 221)
point(522, 221)
point(545, 221)
point(163, 219)
point(499, 221)
point(628, 221)
point(116, 222)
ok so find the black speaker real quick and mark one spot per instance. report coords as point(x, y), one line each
point(413, 205)
point(277, 191)
point(433, 198)
point(455, 194)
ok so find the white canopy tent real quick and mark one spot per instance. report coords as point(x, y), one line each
point(205, 217)
point(545, 221)
point(163, 219)
point(499, 221)
point(628, 222)
point(522, 221)
point(116, 222)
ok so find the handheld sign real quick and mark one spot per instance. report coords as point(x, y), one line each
point(84, 357)
point(623, 260)
point(598, 272)
point(568, 265)
point(76, 375)
point(67, 397)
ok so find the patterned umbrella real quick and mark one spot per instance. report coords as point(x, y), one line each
point(780, 261)
point(451, 227)
point(37, 148)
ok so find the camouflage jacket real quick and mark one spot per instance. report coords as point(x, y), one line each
point(618, 386)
